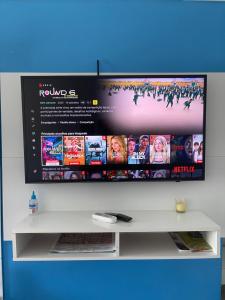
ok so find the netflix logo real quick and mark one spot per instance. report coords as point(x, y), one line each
point(182, 169)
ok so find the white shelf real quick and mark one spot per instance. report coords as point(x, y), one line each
point(146, 237)
point(39, 246)
point(153, 246)
point(143, 221)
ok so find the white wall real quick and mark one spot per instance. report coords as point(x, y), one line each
point(208, 196)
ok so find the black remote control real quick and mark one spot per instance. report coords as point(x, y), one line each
point(120, 217)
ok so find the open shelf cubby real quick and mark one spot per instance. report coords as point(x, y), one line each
point(146, 237)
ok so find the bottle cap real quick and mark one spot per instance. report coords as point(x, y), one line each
point(33, 197)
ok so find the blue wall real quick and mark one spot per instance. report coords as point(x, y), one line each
point(126, 35)
point(110, 280)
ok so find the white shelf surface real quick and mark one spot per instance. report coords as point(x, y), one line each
point(146, 237)
point(143, 221)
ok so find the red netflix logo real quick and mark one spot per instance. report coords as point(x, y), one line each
point(184, 169)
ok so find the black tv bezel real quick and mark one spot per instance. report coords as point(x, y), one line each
point(108, 76)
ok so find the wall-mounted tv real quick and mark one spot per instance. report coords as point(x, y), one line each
point(114, 128)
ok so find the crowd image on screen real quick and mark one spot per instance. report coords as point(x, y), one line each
point(169, 91)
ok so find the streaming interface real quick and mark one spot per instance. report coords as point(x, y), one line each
point(105, 128)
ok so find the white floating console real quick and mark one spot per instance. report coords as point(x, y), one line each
point(146, 237)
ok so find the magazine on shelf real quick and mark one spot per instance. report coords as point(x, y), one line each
point(190, 241)
point(85, 243)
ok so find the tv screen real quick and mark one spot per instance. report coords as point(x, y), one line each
point(114, 128)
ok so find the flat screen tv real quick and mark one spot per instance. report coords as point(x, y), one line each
point(114, 128)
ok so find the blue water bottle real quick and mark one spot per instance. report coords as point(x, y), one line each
point(33, 203)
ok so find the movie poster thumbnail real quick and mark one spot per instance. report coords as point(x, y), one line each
point(73, 147)
point(198, 173)
point(197, 148)
point(96, 175)
point(116, 149)
point(138, 174)
point(186, 172)
point(181, 149)
point(52, 176)
point(74, 175)
point(159, 149)
point(52, 150)
point(117, 174)
point(160, 174)
point(138, 149)
point(95, 148)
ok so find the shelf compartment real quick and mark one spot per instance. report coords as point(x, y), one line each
point(156, 246)
point(38, 246)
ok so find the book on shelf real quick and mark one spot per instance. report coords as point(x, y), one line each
point(190, 241)
point(84, 243)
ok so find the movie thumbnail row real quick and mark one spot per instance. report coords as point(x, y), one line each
point(176, 172)
point(121, 149)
